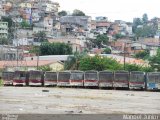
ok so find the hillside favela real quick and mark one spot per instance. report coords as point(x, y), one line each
point(55, 61)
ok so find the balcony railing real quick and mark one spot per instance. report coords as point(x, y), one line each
point(3, 31)
point(3, 26)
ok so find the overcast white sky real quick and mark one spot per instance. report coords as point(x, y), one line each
point(114, 9)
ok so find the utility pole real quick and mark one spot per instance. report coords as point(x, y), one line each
point(38, 56)
point(124, 55)
point(15, 38)
point(17, 44)
point(37, 59)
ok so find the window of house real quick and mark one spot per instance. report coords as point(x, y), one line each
point(69, 42)
point(132, 48)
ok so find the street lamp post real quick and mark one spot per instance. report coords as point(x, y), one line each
point(15, 37)
point(124, 61)
point(38, 52)
point(37, 59)
point(124, 56)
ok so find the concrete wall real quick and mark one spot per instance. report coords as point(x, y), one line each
point(54, 66)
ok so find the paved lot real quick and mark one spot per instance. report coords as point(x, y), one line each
point(31, 100)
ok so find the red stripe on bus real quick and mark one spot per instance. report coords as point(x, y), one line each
point(51, 81)
point(105, 81)
point(35, 81)
point(90, 80)
point(124, 81)
point(136, 82)
point(19, 81)
point(63, 80)
point(76, 81)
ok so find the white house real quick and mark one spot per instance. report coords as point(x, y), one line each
point(23, 41)
point(129, 29)
point(152, 48)
point(2, 11)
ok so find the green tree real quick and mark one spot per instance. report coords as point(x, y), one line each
point(148, 31)
point(45, 68)
point(142, 55)
point(41, 36)
point(25, 24)
point(118, 36)
point(4, 41)
point(100, 41)
point(89, 43)
point(136, 22)
point(155, 22)
point(145, 18)
point(73, 61)
point(78, 13)
point(62, 13)
point(99, 63)
point(154, 61)
point(34, 49)
point(55, 49)
point(107, 50)
point(1, 82)
point(147, 69)
point(139, 32)
point(145, 31)
point(133, 67)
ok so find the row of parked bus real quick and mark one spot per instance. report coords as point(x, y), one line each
point(106, 79)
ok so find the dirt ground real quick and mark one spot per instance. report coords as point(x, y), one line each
point(33, 100)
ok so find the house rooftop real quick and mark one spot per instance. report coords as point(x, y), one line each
point(80, 20)
point(49, 58)
point(103, 24)
point(27, 63)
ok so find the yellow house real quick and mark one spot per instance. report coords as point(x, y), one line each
point(57, 66)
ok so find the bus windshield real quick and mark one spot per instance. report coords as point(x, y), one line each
point(77, 76)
